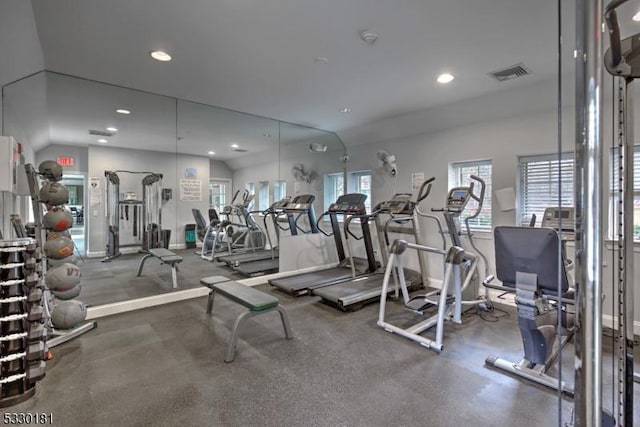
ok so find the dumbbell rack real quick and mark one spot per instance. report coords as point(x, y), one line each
point(23, 334)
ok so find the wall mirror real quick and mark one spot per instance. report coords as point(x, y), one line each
point(205, 155)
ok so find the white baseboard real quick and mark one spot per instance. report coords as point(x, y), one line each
point(133, 250)
point(612, 323)
point(167, 298)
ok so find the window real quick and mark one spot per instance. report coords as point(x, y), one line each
point(539, 187)
point(218, 191)
point(615, 187)
point(251, 188)
point(333, 188)
point(459, 173)
point(263, 195)
point(360, 182)
point(279, 189)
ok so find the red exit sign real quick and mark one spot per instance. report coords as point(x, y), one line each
point(65, 161)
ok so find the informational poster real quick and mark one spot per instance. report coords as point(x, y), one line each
point(417, 178)
point(190, 190)
point(95, 193)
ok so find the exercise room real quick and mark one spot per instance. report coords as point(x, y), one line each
point(245, 213)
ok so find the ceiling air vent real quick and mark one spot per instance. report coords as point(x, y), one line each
point(511, 72)
point(239, 150)
point(99, 132)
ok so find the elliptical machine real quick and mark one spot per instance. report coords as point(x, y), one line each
point(460, 284)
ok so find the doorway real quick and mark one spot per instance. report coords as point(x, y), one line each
point(76, 186)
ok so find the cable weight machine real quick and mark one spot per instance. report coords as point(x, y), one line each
point(145, 215)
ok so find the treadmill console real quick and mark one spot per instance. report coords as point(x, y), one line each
point(349, 204)
point(280, 204)
point(458, 199)
point(557, 217)
point(301, 203)
point(400, 204)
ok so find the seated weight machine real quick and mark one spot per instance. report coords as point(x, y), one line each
point(145, 215)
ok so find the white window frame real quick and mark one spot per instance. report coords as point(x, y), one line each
point(456, 179)
point(263, 191)
point(613, 190)
point(331, 190)
point(354, 185)
point(251, 188)
point(279, 189)
point(547, 183)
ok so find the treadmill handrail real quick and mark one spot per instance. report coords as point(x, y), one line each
point(347, 223)
point(320, 228)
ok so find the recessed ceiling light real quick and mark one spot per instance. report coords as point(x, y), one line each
point(102, 141)
point(112, 129)
point(445, 78)
point(235, 146)
point(160, 55)
point(344, 110)
point(636, 17)
point(211, 153)
point(320, 60)
point(123, 111)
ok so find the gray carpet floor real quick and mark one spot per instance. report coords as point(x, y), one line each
point(108, 282)
point(164, 366)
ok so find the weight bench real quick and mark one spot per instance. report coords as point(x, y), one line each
point(166, 257)
point(256, 301)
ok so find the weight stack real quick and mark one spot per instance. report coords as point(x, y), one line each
point(23, 335)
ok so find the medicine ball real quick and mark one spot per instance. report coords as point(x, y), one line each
point(53, 263)
point(59, 248)
point(68, 294)
point(55, 234)
point(63, 278)
point(54, 194)
point(68, 314)
point(50, 170)
point(57, 219)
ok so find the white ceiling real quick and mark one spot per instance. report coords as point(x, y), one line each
point(257, 56)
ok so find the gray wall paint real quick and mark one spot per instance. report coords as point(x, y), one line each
point(19, 42)
point(80, 155)
point(175, 213)
point(219, 169)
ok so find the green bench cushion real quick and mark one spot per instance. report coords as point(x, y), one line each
point(212, 280)
point(253, 299)
point(165, 255)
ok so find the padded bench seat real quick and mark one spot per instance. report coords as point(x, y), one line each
point(257, 302)
point(166, 257)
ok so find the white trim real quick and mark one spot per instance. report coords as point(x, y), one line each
point(134, 250)
point(167, 298)
point(612, 323)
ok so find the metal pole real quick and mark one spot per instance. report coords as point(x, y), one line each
point(626, 247)
point(588, 192)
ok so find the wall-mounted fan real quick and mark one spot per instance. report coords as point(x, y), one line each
point(387, 162)
point(300, 174)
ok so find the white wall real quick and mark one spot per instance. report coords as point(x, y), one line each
point(502, 141)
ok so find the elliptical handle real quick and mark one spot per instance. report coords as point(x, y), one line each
point(425, 189)
point(480, 198)
point(235, 196)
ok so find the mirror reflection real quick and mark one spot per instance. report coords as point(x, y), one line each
point(164, 191)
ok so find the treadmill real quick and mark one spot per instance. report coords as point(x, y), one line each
point(275, 210)
point(389, 216)
point(295, 209)
point(348, 268)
